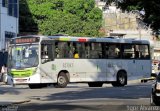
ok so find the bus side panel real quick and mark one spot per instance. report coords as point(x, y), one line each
point(143, 68)
point(64, 65)
point(112, 67)
point(90, 69)
point(129, 66)
point(102, 70)
point(34, 78)
point(47, 72)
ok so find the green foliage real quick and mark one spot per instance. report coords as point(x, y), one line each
point(73, 17)
point(150, 7)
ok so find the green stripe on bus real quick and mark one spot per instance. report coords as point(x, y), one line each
point(64, 39)
point(22, 73)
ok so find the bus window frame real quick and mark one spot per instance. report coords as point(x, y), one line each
point(139, 58)
point(120, 46)
point(50, 50)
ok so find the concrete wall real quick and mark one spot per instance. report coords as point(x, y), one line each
point(116, 21)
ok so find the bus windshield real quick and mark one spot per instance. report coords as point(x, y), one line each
point(24, 56)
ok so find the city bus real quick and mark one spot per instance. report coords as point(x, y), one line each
point(37, 60)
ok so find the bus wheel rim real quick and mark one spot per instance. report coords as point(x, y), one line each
point(121, 80)
point(61, 80)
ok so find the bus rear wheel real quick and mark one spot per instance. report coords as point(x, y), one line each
point(121, 79)
point(62, 80)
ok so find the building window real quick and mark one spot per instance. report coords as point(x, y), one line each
point(4, 3)
point(13, 8)
point(9, 34)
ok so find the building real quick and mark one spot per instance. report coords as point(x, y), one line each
point(9, 10)
point(117, 21)
point(128, 25)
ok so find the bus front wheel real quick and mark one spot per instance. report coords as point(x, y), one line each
point(121, 79)
point(62, 80)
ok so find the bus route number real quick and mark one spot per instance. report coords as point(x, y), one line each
point(67, 65)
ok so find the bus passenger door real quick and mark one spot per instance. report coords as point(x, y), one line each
point(128, 60)
point(143, 62)
point(46, 60)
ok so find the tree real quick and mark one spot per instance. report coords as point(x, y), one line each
point(73, 17)
point(26, 21)
point(151, 8)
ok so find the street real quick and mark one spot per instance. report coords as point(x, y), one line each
point(79, 97)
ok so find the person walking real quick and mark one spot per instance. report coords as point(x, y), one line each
point(3, 64)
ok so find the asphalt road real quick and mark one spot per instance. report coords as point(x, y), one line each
point(81, 97)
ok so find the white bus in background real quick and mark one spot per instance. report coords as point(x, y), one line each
point(41, 60)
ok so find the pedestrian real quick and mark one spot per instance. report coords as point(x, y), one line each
point(76, 55)
point(3, 63)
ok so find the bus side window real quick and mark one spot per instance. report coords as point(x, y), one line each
point(117, 52)
point(76, 55)
point(87, 50)
point(57, 51)
point(113, 51)
point(128, 51)
point(144, 52)
point(107, 51)
point(46, 53)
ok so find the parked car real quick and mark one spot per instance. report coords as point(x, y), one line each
point(155, 94)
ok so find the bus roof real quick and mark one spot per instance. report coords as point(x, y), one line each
point(99, 39)
point(89, 39)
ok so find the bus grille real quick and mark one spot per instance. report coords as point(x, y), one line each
point(20, 73)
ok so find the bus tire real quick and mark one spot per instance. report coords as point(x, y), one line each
point(95, 84)
point(62, 80)
point(121, 79)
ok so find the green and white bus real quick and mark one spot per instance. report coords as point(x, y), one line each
point(40, 60)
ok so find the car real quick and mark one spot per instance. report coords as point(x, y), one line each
point(155, 94)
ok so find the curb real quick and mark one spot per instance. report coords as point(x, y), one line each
point(13, 103)
point(134, 81)
point(21, 102)
point(140, 80)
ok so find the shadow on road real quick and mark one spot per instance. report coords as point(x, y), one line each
point(7, 90)
point(127, 92)
point(52, 101)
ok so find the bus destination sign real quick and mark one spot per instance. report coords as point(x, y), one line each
point(25, 40)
